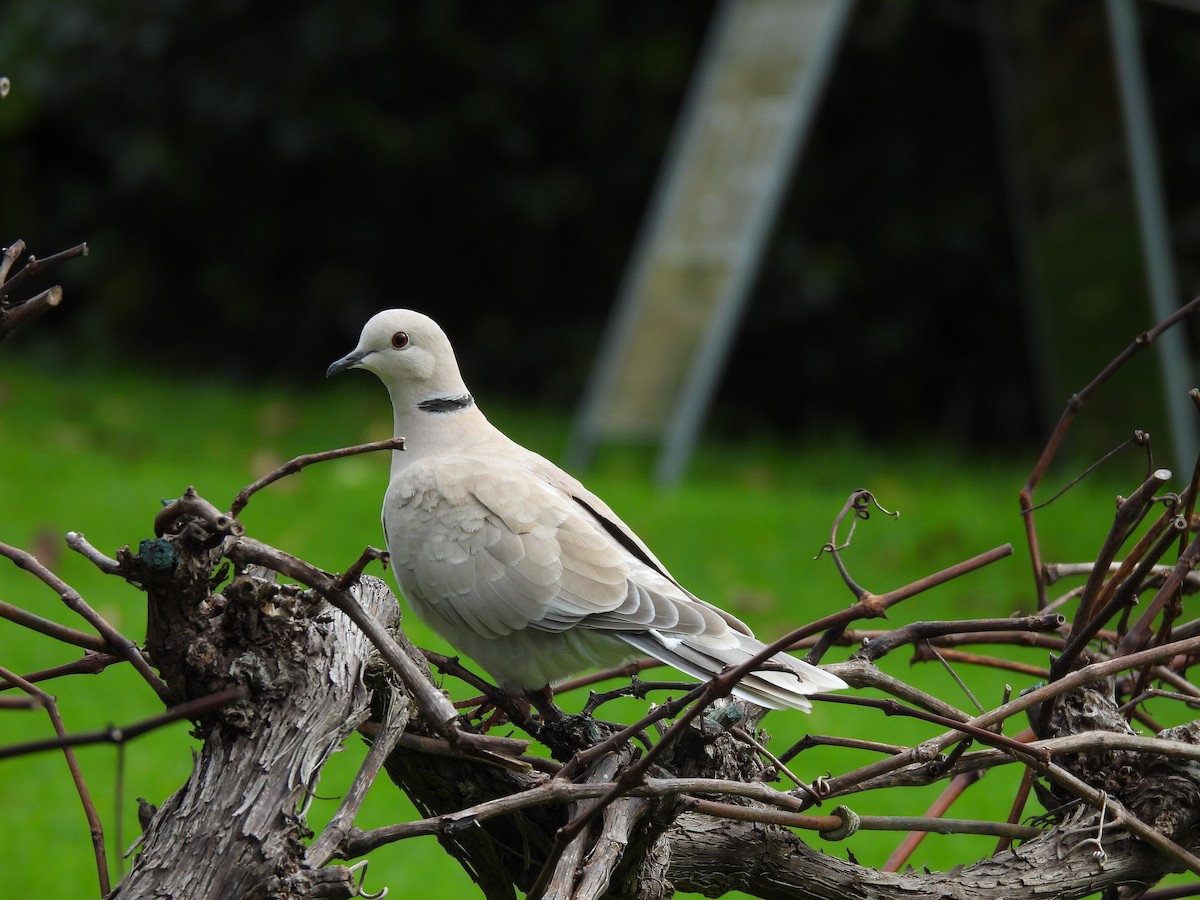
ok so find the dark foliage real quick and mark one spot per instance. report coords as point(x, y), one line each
point(244, 168)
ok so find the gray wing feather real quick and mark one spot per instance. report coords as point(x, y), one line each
point(492, 546)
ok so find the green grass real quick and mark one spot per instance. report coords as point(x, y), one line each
point(95, 451)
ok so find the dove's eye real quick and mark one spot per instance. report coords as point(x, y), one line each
point(400, 340)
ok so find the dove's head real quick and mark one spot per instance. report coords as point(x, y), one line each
point(411, 355)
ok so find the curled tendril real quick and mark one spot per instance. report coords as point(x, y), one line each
point(861, 503)
point(850, 823)
point(358, 888)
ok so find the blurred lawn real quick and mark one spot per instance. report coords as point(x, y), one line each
point(94, 451)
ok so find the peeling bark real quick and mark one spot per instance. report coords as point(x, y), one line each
point(236, 828)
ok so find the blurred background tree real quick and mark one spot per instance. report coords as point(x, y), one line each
point(255, 179)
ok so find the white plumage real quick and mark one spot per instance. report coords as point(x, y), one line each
point(516, 563)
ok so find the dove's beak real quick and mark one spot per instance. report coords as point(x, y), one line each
point(349, 361)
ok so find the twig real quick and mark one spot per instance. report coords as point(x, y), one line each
point(745, 737)
point(862, 673)
point(856, 637)
point(90, 664)
point(858, 505)
point(1177, 681)
point(552, 791)
point(925, 651)
point(359, 842)
point(69, 596)
point(1129, 515)
point(924, 824)
point(89, 808)
point(1087, 675)
point(636, 688)
point(1172, 893)
point(919, 772)
point(1018, 807)
point(826, 740)
point(1077, 401)
point(962, 685)
point(14, 316)
point(968, 728)
point(626, 671)
point(1145, 554)
point(34, 265)
point(875, 606)
point(1170, 590)
point(959, 783)
point(383, 741)
point(948, 574)
point(11, 254)
point(51, 629)
point(925, 631)
point(14, 313)
point(25, 702)
point(293, 466)
point(1188, 699)
point(441, 747)
point(1033, 639)
point(106, 564)
point(192, 709)
point(1137, 439)
point(1055, 572)
point(1120, 591)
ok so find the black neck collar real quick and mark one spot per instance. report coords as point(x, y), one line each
point(446, 404)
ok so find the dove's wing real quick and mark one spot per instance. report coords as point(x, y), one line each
point(484, 544)
point(509, 565)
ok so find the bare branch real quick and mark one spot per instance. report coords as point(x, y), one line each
point(34, 266)
point(77, 542)
point(51, 629)
point(13, 317)
point(928, 750)
point(383, 742)
point(293, 466)
point(85, 798)
point(69, 596)
point(924, 824)
point(90, 664)
point(11, 254)
point(924, 631)
point(873, 606)
point(1076, 403)
point(120, 735)
point(13, 314)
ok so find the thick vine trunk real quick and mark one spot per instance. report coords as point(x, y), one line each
point(236, 829)
point(713, 857)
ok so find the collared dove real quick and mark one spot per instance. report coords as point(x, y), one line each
point(516, 563)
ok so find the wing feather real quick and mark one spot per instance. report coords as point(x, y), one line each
point(486, 546)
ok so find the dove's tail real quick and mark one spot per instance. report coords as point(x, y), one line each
point(784, 685)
